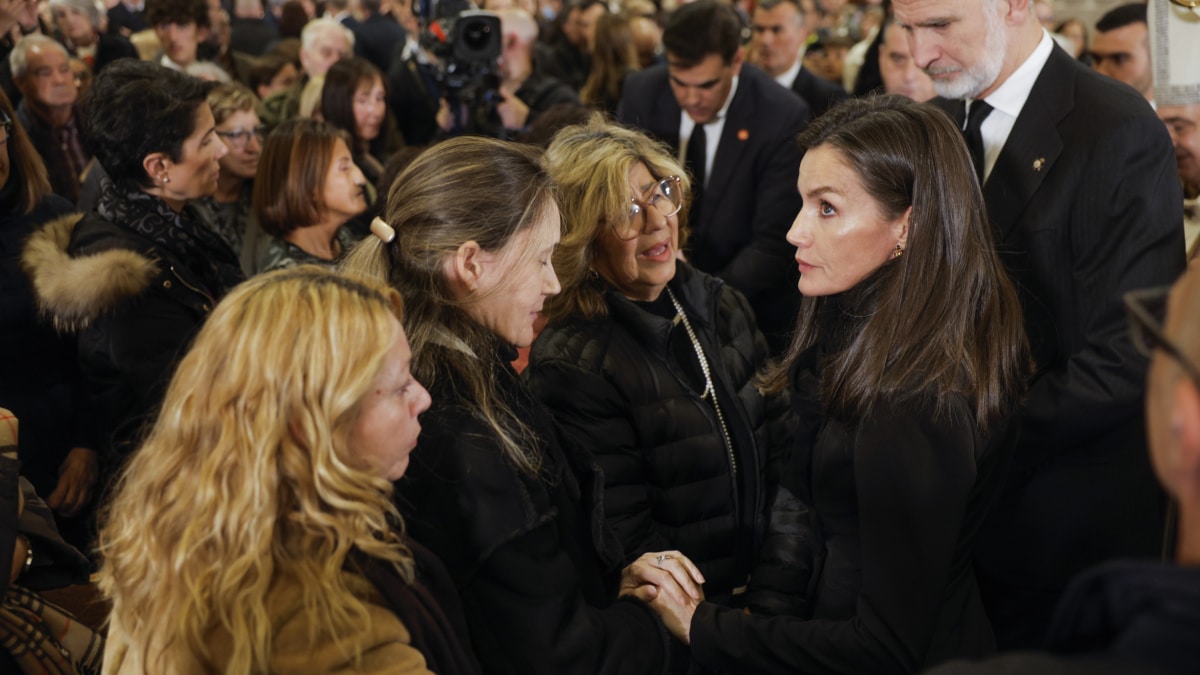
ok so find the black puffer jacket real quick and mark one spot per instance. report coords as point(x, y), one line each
point(627, 387)
point(537, 569)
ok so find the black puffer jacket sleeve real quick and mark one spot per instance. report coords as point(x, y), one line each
point(538, 596)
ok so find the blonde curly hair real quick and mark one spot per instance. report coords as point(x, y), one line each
point(246, 477)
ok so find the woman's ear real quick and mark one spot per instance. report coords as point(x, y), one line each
point(465, 268)
point(900, 225)
point(156, 165)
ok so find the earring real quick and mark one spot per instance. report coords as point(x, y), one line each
point(165, 179)
point(898, 252)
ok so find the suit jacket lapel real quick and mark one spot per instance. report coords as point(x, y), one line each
point(666, 117)
point(1033, 146)
point(734, 139)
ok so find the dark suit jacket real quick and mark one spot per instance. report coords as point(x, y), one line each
point(412, 98)
point(252, 36)
point(1086, 205)
point(376, 38)
point(751, 198)
point(819, 93)
point(120, 17)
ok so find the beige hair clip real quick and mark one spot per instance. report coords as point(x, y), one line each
point(381, 229)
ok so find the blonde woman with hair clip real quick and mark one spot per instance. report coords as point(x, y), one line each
point(253, 531)
point(467, 238)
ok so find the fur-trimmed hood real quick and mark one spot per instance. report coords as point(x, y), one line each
point(74, 291)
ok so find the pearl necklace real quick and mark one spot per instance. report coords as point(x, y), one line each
point(710, 390)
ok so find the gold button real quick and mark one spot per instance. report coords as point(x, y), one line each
point(167, 283)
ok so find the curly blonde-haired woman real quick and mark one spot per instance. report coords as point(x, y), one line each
point(253, 531)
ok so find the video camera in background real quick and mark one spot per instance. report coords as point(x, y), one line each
point(467, 47)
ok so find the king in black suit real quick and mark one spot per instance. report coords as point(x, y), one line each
point(750, 198)
point(1085, 204)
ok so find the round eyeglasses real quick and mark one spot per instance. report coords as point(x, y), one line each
point(665, 197)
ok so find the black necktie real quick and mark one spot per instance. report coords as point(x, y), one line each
point(979, 112)
point(697, 159)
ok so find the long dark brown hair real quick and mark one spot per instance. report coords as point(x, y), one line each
point(24, 163)
point(944, 317)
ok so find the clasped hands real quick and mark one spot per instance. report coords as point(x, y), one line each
point(670, 584)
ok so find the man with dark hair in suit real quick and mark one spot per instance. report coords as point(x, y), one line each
point(734, 127)
point(1121, 47)
point(1083, 197)
point(779, 35)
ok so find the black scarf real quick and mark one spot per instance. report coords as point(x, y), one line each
point(183, 233)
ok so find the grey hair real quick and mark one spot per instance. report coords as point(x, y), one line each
point(317, 27)
point(18, 60)
point(92, 9)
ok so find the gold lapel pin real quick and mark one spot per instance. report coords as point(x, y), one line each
point(1037, 163)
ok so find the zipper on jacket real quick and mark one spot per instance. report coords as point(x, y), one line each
point(211, 301)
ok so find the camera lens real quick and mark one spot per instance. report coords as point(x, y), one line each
point(477, 35)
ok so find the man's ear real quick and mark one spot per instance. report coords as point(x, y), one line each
point(739, 57)
point(465, 267)
point(1014, 11)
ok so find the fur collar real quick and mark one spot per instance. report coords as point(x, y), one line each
point(74, 291)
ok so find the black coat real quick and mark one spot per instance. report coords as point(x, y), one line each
point(111, 48)
point(896, 498)
point(63, 180)
point(1127, 618)
point(134, 305)
point(40, 374)
point(819, 93)
point(1085, 203)
point(413, 98)
point(535, 566)
point(626, 387)
point(375, 38)
point(751, 200)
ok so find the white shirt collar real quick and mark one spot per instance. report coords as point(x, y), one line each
point(712, 131)
point(788, 77)
point(1011, 95)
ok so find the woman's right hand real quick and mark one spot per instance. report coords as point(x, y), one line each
point(670, 584)
point(666, 572)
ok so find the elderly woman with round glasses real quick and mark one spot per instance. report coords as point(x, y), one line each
point(651, 364)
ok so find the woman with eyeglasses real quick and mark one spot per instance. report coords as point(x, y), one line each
point(230, 210)
point(650, 364)
point(308, 188)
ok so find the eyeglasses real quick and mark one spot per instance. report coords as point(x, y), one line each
point(665, 197)
point(240, 137)
point(5, 127)
point(1147, 312)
